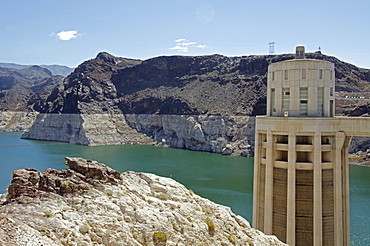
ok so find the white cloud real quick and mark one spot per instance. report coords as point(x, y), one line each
point(67, 35)
point(180, 48)
point(188, 43)
point(180, 40)
point(183, 45)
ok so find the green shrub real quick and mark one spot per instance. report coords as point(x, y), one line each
point(211, 226)
point(41, 229)
point(64, 184)
point(48, 213)
point(84, 229)
point(231, 239)
point(162, 196)
point(159, 238)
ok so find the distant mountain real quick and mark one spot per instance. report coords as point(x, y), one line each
point(54, 69)
point(18, 86)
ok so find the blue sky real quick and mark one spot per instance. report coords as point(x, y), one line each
point(68, 32)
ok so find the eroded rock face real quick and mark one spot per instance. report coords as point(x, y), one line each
point(90, 203)
point(30, 183)
point(85, 129)
point(16, 121)
point(228, 135)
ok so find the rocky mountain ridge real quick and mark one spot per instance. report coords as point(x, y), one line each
point(54, 69)
point(22, 88)
point(193, 85)
point(168, 85)
point(92, 204)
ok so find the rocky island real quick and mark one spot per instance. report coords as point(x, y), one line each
point(92, 204)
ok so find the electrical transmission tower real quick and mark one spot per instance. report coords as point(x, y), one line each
point(271, 48)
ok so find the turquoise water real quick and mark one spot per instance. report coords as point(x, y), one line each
point(223, 179)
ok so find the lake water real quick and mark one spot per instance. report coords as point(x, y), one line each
point(223, 179)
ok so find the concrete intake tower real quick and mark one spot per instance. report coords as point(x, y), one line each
point(301, 173)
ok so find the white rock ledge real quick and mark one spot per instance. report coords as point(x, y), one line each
point(91, 204)
point(229, 135)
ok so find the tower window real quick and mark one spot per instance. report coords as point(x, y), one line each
point(303, 101)
point(273, 76)
point(320, 101)
point(273, 109)
point(285, 74)
point(286, 98)
point(320, 74)
point(303, 73)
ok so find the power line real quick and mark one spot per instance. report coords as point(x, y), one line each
point(271, 48)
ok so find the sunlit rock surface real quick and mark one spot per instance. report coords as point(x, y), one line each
point(92, 204)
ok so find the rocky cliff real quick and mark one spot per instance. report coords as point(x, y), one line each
point(91, 204)
point(204, 103)
point(86, 129)
point(17, 121)
point(180, 85)
point(228, 135)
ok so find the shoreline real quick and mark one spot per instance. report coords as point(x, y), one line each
point(359, 163)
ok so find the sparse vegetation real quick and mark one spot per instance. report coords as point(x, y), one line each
point(108, 192)
point(64, 184)
point(84, 229)
point(232, 239)
point(159, 238)
point(211, 225)
point(162, 196)
point(65, 232)
point(48, 213)
point(41, 229)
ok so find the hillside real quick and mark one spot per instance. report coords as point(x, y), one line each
point(203, 103)
point(54, 69)
point(18, 86)
point(196, 85)
point(212, 85)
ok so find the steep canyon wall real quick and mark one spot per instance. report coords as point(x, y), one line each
point(229, 135)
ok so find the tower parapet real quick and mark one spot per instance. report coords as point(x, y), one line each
point(300, 87)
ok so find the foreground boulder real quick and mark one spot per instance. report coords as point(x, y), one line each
point(92, 204)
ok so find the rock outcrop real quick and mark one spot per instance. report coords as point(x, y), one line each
point(228, 135)
point(90, 203)
point(16, 121)
point(86, 129)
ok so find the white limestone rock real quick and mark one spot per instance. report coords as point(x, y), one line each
point(195, 132)
point(16, 121)
point(136, 209)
